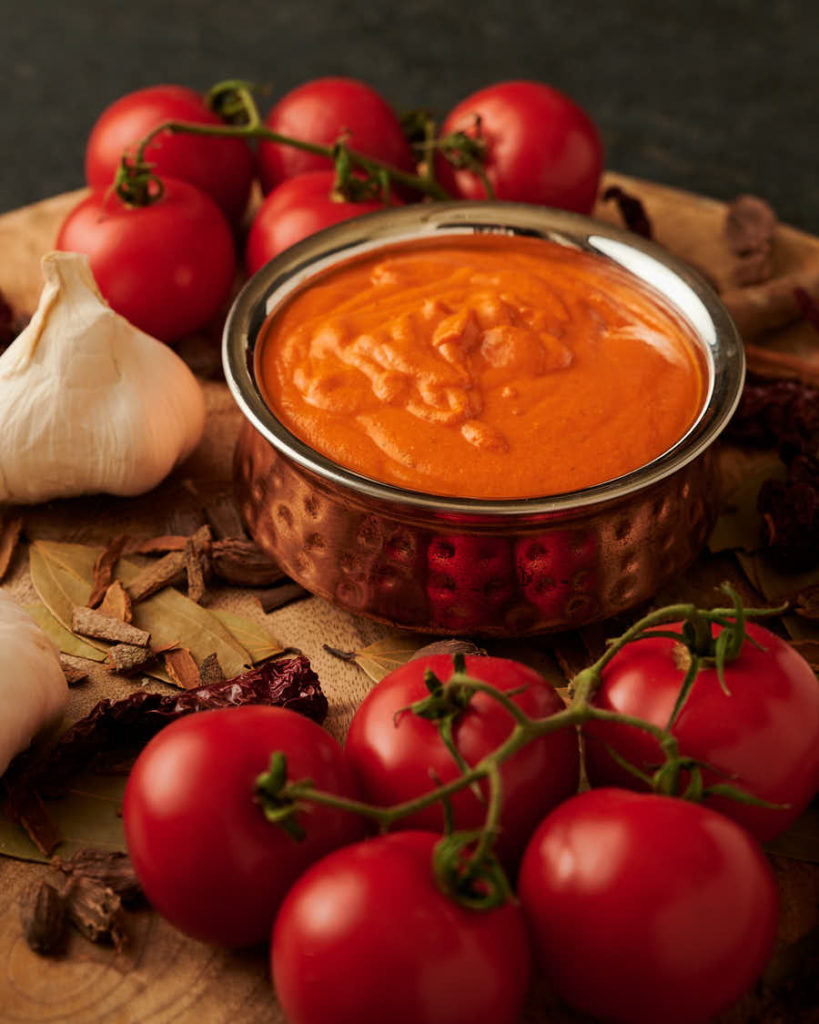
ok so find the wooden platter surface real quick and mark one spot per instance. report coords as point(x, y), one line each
point(163, 977)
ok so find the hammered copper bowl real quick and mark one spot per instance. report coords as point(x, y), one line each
point(449, 565)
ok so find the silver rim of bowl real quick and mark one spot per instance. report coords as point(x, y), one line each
point(681, 285)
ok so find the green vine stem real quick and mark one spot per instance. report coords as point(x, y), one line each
point(467, 857)
point(234, 100)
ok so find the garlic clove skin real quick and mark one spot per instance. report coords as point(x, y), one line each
point(33, 690)
point(89, 403)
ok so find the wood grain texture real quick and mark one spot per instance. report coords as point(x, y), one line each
point(163, 977)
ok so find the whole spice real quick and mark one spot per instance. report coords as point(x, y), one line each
point(168, 571)
point(104, 569)
point(182, 668)
point(765, 307)
point(95, 910)
point(790, 513)
point(89, 403)
point(10, 530)
point(117, 603)
point(133, 720)
point(631, 210)
point(112, 868)
point(239, 561)
point(750, 228)
point(88, 622)
point(43, 918)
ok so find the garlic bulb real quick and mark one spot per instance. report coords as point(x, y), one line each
point(33, 690)
point(88, 403)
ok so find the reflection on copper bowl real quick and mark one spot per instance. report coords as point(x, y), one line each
point(494, 567)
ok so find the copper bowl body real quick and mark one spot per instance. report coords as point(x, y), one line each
point(449, 565)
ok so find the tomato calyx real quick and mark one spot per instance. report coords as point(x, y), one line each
point(232, 101)
point(467, 151)
point(135, 182)
point(470, 875)
point(280, 807)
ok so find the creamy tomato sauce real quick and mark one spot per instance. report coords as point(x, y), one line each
point(488, 366)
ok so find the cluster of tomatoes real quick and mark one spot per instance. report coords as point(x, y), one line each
point(167, 260)
point(634, 907)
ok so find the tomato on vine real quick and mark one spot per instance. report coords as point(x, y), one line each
point(325, 111)
point(530, 142)
point(222, 167)
point(296, 208)
point(647, 908)
point(201, 845)
point(167, 266)
point(398, 755)
point(760, 733)
point(367, 935)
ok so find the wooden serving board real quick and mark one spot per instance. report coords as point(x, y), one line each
point(162, 976)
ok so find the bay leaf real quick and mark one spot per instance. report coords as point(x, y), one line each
point(253, 636)
point(739, 525)
point(88, 815)
point(380, 658)
point(63, 576)
point(65, 641)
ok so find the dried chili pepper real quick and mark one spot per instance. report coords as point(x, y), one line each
point(133, 720)
point(631, 210)
point(790, 513)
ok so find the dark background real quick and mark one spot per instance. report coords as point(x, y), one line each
point(718, 97)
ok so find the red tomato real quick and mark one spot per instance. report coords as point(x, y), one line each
point(395, 756)
point(366, 935)
point(646, 908)
point(763, 738)
point(295, 209)
point(322, 111)
point(222, 167)
point(202, 849)
point(542, 147)
point(167, 267)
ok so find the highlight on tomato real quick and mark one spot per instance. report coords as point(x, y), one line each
point(367, 935)
point(533, 144)
point(397, 755)
point(647, 908)
point(203, 850)
point(167, 265)
point(325, 111)
point(758, 734)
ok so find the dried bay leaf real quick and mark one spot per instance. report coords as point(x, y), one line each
point(62, 575)
point(88, 815)
point(381, 657)
point(65, 641)
point(739, 525)
point(253, 636)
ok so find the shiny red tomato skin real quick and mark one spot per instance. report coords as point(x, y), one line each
point(543, 147)
point(645, 908)
point(321, 111)
point(296, 208)
point(394, 758)
point(168, 267)
point(202, 849)
point(366, 935)
point(222, 167)
point(763, 738)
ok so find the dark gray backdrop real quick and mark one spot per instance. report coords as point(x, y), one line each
point(719, 97)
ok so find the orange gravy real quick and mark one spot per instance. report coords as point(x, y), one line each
point(488, 366)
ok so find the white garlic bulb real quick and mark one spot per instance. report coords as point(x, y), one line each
point(88, 403)
point(33, 690)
